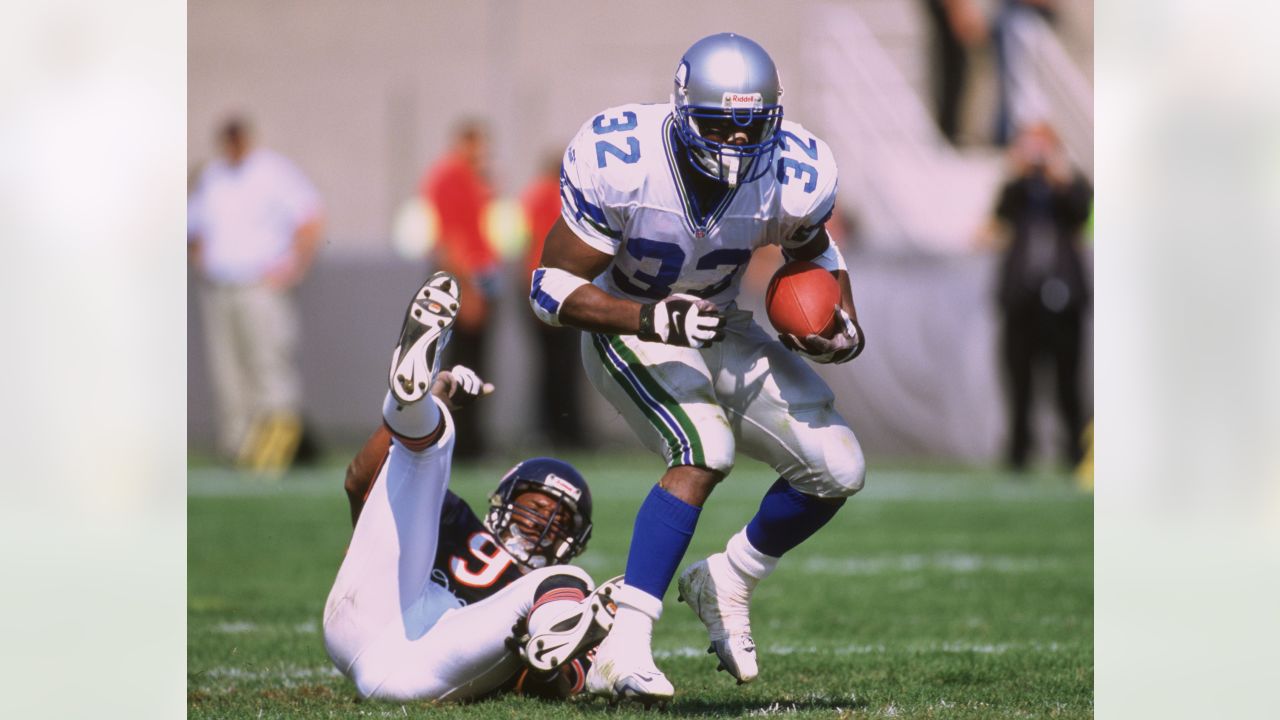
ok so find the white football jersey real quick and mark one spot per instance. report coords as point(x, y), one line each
point(622, 194)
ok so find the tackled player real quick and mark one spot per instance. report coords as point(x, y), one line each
point(430, 603)
point(662, 208)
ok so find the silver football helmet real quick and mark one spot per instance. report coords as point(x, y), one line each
point(728, 107)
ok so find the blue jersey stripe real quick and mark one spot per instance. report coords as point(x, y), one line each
point(544, 301)
point(581, 206)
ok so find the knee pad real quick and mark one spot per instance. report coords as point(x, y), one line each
point(846, 473)
point(832, 461)
point(849, 475)
point(839, 470)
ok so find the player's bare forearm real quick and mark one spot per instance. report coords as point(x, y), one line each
point(588, 307)
point(306, 240)
point(195, 254)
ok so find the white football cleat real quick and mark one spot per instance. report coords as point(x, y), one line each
point(627, 673)
point(558, 635)
point(720, 600)
point(427, 326)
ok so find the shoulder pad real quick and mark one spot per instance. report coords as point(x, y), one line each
point(604, 169)
point(807, 175)
point(615, 146)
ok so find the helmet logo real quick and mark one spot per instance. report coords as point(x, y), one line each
point(564, 486)
point(743, 101)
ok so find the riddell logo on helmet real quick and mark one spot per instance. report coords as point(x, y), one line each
point(563, 486)
point(754, 101)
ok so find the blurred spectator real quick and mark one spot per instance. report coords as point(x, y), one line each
point(1014, 33)
point(559, 385)
point(1043, 292)
point(253, 226)
point(956, 26)
point(458, 188)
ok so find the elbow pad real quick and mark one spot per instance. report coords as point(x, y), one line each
point(548, 291)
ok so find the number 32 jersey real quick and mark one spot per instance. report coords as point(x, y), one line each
point(623, 193)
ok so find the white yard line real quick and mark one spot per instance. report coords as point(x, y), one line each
point(239, 627)
point(960, 563)
point(895, 485)
point(222, 675)
point(876, 649)
point(281, 673)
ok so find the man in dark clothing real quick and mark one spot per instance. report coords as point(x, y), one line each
point(955, 27)
point(1043, 293)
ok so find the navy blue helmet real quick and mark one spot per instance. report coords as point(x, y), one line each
point(548, 528)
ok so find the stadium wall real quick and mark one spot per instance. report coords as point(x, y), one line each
point(928, 385)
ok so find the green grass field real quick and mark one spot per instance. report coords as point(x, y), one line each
point(934, 594)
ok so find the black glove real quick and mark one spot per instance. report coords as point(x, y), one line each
point(841, 347)
point(682, 320)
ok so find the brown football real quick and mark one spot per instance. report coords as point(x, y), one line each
point(802, 299)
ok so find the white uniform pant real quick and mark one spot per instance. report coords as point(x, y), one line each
point(387, 626)
point(747, 392)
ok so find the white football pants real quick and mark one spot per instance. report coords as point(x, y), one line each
point(746, 392)
point(387, 626)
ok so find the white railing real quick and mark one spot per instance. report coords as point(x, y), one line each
point(1069, 93)
point(909, 189)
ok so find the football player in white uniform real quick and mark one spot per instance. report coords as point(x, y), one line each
point(431, 603)
point(663, 206)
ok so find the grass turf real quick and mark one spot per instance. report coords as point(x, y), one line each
point(933, 594)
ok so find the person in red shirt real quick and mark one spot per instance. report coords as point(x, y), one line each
point(458, 188)
point(558, 384)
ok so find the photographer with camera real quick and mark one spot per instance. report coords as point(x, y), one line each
point(1042, 288)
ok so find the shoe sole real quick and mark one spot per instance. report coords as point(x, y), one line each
point(550, 650)
point(430, 317)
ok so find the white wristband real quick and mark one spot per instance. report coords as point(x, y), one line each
point(550, 288)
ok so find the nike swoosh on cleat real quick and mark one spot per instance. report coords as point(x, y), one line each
point(538, 655)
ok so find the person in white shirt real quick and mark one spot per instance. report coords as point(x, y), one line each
point(253, 226)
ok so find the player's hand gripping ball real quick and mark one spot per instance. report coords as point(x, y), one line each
point(803, 304)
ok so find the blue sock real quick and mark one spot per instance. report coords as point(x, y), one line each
point(786, 518)
point(664, 527)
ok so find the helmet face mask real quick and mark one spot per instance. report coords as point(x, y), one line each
point(541, 513)
point(535, 525)
point(727, 86)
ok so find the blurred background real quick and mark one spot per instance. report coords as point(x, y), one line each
point(934, 110)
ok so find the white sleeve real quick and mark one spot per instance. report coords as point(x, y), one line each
point(809, 209)
point(584, 201)
point(297, 194)
point(195, 213)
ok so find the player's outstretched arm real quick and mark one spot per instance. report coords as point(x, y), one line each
point(562, 294)
point(457, 387)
